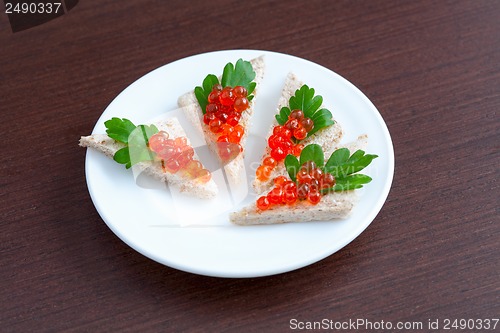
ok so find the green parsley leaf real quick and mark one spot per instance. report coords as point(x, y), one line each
point(341, 165)
point(282, 117)
point(292, 166)
point(338, 157)
point(320, 114)
point(136, 139)
point(138, 148)
point(122, 156)
point(119, 129)
point(202, 93)
point(141, 134)
point(351, 182)
point(305, 100)
point(312, 152)
point(321, 119)
point(242, 74)
point(356, 156)
point(251, 89)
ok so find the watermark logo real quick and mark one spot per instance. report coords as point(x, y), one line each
point(185, 209)
point(24, 14)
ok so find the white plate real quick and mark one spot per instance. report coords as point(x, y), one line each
point(153, 220)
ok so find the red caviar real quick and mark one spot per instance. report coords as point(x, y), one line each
point(222, 116)
point(263, 203)
point(285, 140)
point(177, 156)
point(310, 181)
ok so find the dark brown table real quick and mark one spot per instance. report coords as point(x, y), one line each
point(431, 68)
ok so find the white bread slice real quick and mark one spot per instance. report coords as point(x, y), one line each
point(326, 137)
point(109, 147)
point(334, 205)
point(188, 102)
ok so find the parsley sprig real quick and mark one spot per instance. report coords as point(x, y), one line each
point(340, 164)
point(305, 100)
point(135, 138)
point(241, 74)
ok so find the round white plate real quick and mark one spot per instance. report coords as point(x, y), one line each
point(195, 235)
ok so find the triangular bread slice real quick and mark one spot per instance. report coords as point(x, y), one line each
point(109, 146)
point(332, 206)
point(327, 137)
point(235, 168)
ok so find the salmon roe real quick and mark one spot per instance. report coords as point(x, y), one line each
point(285, 140)
point(222, 116)
point(311, 181)
point(177, 156)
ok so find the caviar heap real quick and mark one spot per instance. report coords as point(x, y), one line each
point(176, 155)
point(285, 140)
point(311, 181)
point(222, 116)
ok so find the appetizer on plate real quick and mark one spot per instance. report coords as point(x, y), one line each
point(312, 189)
point(160, 150)
point(301, 119)
point(294, 183)
point(222, 109)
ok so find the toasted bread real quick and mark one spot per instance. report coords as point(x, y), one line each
point(235, 168)
point(109, 146)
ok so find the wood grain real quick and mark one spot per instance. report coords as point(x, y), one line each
point(430, 67)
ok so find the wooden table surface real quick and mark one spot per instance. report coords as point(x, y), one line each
point(432, 253)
